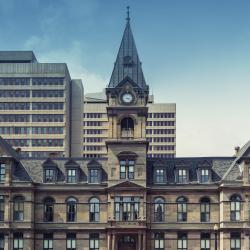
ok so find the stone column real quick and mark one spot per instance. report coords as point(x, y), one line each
point(246, 241)
point(108, 243)
point(6, 242)
point(139, 241)
point(113, 242)
point(144, 245)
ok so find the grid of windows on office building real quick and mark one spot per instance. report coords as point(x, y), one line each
point(47, 142)
point(162, 148)
point(94, 140)
point(47, 130)
point(14, 81)
point(48, 93)
point(14, 105)
point(14, 130)
point(160, 131)
point(47, 105)
point(35, 118)
point(94, 148)
point(161, 139)
point(48, 81)
point(93, 115)
point(93, 123)
point(161, 115)
point(161, 123)
point(168, 155)
point(14, 93)
point(14, 118)
point(48, 118)
point(92, 131)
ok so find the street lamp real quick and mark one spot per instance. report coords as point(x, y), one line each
point(215, 235)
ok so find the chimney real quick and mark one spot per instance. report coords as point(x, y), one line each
point(18, 150)
point(52, 155)
point(237, 149)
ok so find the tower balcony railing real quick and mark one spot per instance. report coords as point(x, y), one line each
point(127, 134)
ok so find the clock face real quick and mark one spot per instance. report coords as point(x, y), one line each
point(127, 98)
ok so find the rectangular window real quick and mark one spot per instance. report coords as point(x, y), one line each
point(1, 241)
point(181, 176)
point(94, 242)
point(235, 241)
point(2, 205)
point(48, 242)
point(249, 173)
point(49, 175)
point(205, 211)
point(204, 175)
point(205, 241)
point(18, 241)
point(122, 169)
point(71, 176)
point(159, 241)
point(2, 172)
point(94, 176)
point(182, 241)
point(71, 241)
point(127, 169)
point(127, 208)
point(159, 176)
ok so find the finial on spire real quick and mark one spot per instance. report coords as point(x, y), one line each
point(128, 17)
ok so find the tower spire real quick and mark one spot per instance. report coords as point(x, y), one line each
point(128, 17)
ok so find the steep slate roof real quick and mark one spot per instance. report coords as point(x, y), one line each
point(35, 168)
point(127, 64)
point(234, 172)
point(218, 166)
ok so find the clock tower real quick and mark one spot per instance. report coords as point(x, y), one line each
point(127, 95)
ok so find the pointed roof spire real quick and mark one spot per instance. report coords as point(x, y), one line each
point(128, 17)
point(127, 64)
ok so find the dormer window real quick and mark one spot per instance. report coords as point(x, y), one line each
point(181, 175)
point(71, 175)
point(94, 172)
point(159, 175)
point(2, 172)
point(49, 175)
point(94, 176)
point(127, 169)
point(204, 175)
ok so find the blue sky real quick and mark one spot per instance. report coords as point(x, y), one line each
point(194, 53)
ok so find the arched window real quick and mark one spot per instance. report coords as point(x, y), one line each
point(127, 127)
point(49, 209)
point(205, 209)
point(18, 207)
point(94, 210)
point(71, 209)
point(181, 209)
point(159, 209)
point(235, 207)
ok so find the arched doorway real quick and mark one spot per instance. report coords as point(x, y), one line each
point(127, 242)
point(127, 127)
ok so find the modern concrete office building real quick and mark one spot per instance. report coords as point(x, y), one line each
point(40, 105)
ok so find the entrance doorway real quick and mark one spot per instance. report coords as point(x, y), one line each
point(127, 242)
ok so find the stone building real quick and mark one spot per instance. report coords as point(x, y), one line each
point(126, 200)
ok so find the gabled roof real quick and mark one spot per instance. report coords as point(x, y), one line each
point(127, 185)
point(127, 64)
